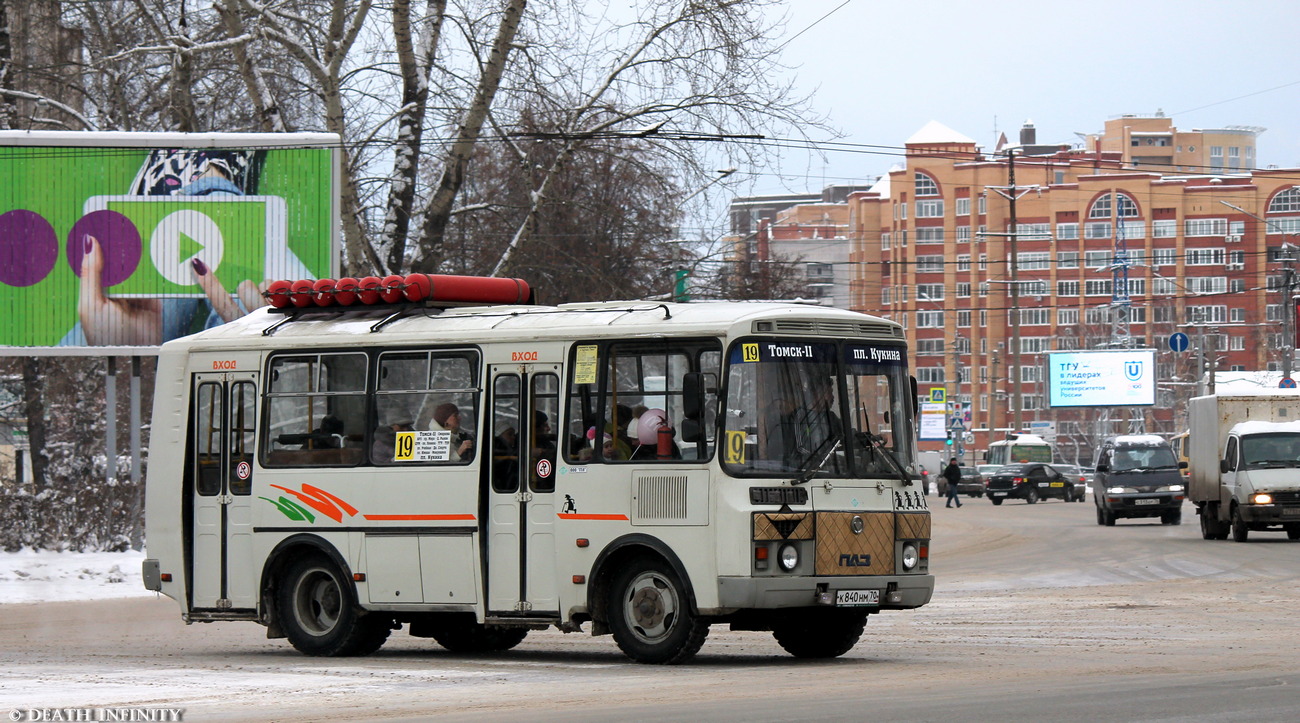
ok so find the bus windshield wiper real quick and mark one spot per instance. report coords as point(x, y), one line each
point(812, 469)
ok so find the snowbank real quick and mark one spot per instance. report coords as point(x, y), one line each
point(41, 576)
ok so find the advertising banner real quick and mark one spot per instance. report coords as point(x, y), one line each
point(1108, 378)
point(132, 239)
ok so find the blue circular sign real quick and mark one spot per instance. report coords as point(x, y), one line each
point(1286, 383)
point(1178, 341)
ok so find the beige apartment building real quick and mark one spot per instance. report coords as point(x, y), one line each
point(933, 245)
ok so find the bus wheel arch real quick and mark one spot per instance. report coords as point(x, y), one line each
point(646, 603)
point(304, 572)
point(616, 556)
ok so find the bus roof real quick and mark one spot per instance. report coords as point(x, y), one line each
point(525, 323)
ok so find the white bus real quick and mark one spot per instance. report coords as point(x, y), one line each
point(470, 473)
point(1019, 448)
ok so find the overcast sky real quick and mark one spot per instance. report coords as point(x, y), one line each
point(880, 70)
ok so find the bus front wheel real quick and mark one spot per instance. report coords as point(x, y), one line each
point(650, 615)
point(319, 615)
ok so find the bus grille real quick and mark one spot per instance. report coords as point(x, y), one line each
point(661, 497)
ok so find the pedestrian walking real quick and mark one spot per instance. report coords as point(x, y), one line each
point(952, 473)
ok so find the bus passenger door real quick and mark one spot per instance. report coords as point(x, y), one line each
point(222, 424)
point(521, 510)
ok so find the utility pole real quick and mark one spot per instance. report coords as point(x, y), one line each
point(1011, 193)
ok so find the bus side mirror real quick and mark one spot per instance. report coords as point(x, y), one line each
point(690, 431)
point(916, 402)
point(692, 397)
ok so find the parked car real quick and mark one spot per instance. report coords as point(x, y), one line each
point(972, 482)
point(1079, 476)
point(1030, 482)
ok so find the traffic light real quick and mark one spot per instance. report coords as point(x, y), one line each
point(948, 441)
point(680, 292)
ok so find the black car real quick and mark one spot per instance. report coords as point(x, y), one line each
point(972, 482)
point(1030, 482)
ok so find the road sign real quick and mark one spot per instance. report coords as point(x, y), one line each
point(956, 425)
point(968, 438)
point(1178, 341)
point(1286, 383)
point(938, 394)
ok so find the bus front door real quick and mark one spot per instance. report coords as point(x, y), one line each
point(521, 510)
point(223, 418)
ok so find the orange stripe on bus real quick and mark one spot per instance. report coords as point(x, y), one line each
point(571, 516)
point(411, 518)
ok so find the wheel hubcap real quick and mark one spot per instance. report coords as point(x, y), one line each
point(651, 607)
point(318, 602)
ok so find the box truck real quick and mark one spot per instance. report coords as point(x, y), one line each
point(1245, 463)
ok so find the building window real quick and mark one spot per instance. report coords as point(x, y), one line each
point(1097, 315)
point(929, 264)
point(1207, 284)
point(932, 208)
point(984, 288)
point(929, 347)
point(1206, 227)
point(1237, 286)
point(1287, 201)
point(984, 262)
point(929, 234)
point(925, 185)
point(1238, 316)
point(1100, 207)
point(1164, 257)
point(1236, 343)
point(929, 375)
point(1164, 287)
point(1067, 288)
point(1033, 261)
point(886, 296)
point(963, 262)
point(929, 292)
point(1097, 287)
point(1067, 317)
point(1067, 231)
point(963, 207)
point(1067, 259)
point(1034, 231)
point(1207, 314)
point(1096, 230)
point(983, 206)
point(884, 241)
point(984, 317)
point(1167, 228)
point(963, 316)
point(929, 319)
point(1133, 229)
point(1098, 260)
point(963, 289)
point(1205, 257)
point(963, 234)
point(1034, 317)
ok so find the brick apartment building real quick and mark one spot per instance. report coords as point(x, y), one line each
point(931, 249)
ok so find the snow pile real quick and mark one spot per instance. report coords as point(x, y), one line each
point(41, 576)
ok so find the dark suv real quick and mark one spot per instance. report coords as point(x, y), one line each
point(1030, 482)
point(1138, 476)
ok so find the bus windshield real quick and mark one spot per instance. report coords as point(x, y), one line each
point(841, 408)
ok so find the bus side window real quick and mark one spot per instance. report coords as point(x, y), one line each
point(316, 410)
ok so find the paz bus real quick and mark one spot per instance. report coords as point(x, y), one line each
point(438, 454)
point(1019, 448)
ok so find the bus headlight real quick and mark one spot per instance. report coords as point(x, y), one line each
point(910, 556)
point(788, 557)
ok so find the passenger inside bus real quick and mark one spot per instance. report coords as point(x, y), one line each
point(802, 429)
point(384, 450)
point(447, 418)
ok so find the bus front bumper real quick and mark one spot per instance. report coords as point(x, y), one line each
point(896, 592)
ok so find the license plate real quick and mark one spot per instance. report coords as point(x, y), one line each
point(998, 494)
point(854, 598)
point(1291, 511)
point(1058, 484)
point(1150, 501)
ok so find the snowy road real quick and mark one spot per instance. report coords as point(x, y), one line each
point(1040, 615)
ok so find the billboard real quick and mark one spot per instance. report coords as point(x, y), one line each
point(1111, 378)
point(132, 239)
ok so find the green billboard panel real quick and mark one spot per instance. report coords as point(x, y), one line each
point(123, 239)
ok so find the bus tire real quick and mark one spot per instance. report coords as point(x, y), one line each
point(478, 638)
point(319, 615)
point(820, 633)
point(650, 616)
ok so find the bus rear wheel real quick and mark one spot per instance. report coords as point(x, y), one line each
point(478, 638)
point(821, 633)
point(319, 614)
point(649, 613)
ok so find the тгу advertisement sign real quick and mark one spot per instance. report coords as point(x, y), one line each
point(1110, 378)
point(132, 239)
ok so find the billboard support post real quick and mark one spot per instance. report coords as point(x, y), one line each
point(110, 419)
